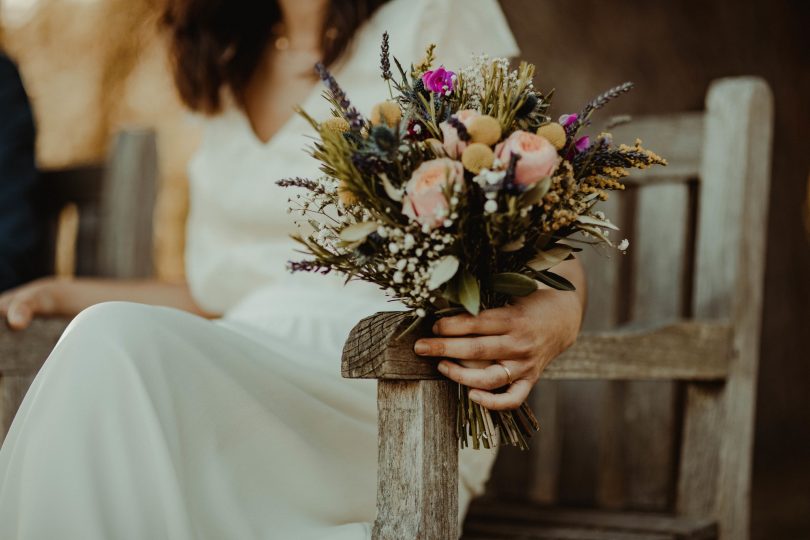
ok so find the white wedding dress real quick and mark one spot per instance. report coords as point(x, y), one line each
point(149, 423)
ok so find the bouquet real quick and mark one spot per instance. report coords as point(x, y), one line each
point(457, 194)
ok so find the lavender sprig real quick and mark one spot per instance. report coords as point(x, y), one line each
point(385, 59)
point(304, 183)
point(350, 112)
point(583, 119)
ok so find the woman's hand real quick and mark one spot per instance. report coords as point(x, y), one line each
point(68, 296)
point(41, 297)
point(523, 337)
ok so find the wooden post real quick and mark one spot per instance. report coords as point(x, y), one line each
point(417, 474)
point(417, 477)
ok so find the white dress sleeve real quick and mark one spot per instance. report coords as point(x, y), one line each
point(462, 28)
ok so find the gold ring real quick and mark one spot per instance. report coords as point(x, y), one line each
point(508, 373)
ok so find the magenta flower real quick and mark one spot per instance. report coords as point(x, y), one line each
point(439, 81)
point(582, 144)
point(568, 119)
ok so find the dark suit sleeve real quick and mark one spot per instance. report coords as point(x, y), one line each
point(18, 177)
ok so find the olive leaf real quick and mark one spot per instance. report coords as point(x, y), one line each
point(544, 260)
point(443, 269)
point(555, 281)
point(469, 295)
point(513, 284)
point(357, 232)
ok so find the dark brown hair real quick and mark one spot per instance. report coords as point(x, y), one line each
point(217, 44)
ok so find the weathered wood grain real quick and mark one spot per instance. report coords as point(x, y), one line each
point(127, 203)
point(730, 260)
point(648, 416)
point(684, 350)
point(531, 517)
point(588, 425)
point(12, 391)
point(677, 137)
point(417, 477)
point(24, 351)
point(375, 349)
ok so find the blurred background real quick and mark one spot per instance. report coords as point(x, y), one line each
point(92, 67)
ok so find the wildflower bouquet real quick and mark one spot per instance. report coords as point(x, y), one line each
point(457, 194)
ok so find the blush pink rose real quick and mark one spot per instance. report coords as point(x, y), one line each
point(450, 140)
point(424, 199)
point(538, 157)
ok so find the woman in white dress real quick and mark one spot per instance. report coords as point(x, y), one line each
point(216, 410)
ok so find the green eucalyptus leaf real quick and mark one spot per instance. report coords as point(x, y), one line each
point(469, 294)
point(450, 292)
point(514, 245)
point(544, 260)
point(443, 270)
point(513, 284)
point(555, 281)
point(357, 232)
point(393, 193)
point(597, 233)
point(590, 220)
point(536, 193)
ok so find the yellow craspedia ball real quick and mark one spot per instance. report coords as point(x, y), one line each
point(387, 112)
point(477, 156)
point(484, 129)
point(335, 124)
point(555, 134)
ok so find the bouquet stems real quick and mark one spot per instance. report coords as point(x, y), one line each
point(487, 428)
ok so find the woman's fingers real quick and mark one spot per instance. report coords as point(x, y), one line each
point(488, 378)
point(471, 348)
point(488, 322)
point(509, 400)
point(21, 310)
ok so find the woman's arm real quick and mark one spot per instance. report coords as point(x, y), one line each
point(67, 297)
point(523, 336)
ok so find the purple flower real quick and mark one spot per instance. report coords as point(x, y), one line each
point(439, 81)
point(583, 143)
point(568, 119)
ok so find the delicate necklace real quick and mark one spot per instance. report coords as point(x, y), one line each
point(281, 41)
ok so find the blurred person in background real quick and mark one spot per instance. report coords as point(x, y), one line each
point(18, 178)
point(152, 421)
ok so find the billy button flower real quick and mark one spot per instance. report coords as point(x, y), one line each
point(484, 129)
point(555, 134)
point(476, 157)
point(386, 112)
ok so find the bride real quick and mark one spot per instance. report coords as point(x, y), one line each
point(216, 409)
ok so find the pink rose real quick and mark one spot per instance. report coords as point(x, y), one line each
point(424, 199)
point(452, 144)
point(538, 157)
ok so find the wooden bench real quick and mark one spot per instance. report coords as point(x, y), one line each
point(652, 458)
point(114, 203)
